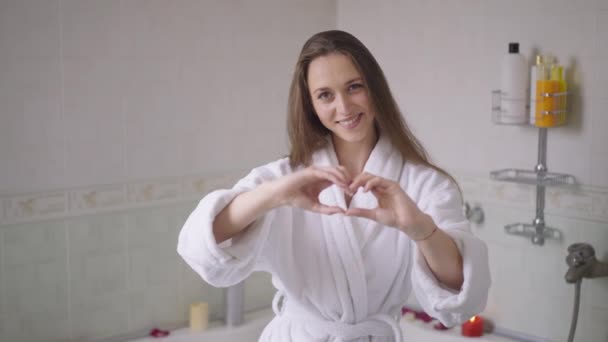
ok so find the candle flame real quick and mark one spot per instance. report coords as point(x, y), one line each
point(473, 319)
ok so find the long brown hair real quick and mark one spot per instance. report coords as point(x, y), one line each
point(306, 132)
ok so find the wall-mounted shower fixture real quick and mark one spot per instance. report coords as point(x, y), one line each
point(474, 213)
point(581, 264)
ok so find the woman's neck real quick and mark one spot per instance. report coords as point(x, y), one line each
point(354, 155)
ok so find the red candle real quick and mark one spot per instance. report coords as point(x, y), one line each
point(473, 327)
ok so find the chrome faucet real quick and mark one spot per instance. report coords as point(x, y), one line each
point(583, 264)
point(234, 301)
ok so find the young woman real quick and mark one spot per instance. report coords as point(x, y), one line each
point(351, 221)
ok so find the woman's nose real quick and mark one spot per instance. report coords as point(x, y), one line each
point(343, 104)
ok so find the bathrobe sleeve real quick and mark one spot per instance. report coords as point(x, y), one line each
point(232, 261)
point(443, 202)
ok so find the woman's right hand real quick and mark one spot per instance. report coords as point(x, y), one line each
point(301, 189)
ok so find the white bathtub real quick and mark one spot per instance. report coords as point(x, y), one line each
point(255, 322)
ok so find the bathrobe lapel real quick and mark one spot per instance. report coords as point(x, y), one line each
point(344, 251)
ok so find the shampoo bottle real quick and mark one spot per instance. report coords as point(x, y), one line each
point(513, 86)
point(534, 76)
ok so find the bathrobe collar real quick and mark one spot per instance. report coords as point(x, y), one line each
point(345, 253)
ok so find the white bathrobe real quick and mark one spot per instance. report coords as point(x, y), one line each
point(341, 278)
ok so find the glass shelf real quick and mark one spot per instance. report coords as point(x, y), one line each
point(530, 230)
point(532, 177)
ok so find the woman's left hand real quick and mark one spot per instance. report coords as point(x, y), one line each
point(395, 207)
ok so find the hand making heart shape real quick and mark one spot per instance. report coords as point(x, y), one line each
point(301, 189)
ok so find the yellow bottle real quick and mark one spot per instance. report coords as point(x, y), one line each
point(550, 105)
point(545, 103)
point(557, 73)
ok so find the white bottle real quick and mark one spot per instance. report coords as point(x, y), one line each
point(513, 86)
point(533, 78)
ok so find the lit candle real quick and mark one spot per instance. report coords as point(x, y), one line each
point(473, 327)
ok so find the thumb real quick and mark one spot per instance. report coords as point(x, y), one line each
point(361, 212)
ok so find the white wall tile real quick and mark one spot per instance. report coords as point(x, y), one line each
point(99, 316)
point(2, 287)
point(599, 143)
point(151, 229)
point(97, 257)
point(35, 282)
point(91, 29)
point(94, 120)
point(598, 76)
point(32, 132)
point(154, 307)
point(152, 141)
point(150, 29)
point(148, 269)
point(602, 30)
point(29, 28)
point(152, 262)
point(36, 243)
point(259, 291)
point(37, 327)
point(599, 317)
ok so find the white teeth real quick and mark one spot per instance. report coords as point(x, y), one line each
point(349, 122)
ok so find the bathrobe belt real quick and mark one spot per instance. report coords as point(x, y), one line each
point(374, 325)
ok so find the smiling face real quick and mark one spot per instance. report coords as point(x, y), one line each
point(340, 98)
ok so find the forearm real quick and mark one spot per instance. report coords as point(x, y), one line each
point(442, 256)
point(243, 210)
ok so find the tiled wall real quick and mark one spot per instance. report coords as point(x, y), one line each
point(106, 107)
point(442, 60)
point(109, 91)
point(106, 271)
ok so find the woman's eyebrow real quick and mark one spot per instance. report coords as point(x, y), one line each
point(354, 80)
point(320, 89)
point(357, 79)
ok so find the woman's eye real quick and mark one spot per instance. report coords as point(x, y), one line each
point(355, 86)
point(323, 96)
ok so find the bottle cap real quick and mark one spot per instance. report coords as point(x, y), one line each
point(539, 59)
point(513, 47)
point(557, 73)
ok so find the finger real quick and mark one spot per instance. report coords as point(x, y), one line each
point(374, 183)
point(325, 209)
point(339, 172)
point(359, 181)
point(347, 174)
point(323, 174)
point(361, 212)
point(379, 191)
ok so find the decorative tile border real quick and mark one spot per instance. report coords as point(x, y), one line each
point(194, 186)
point(587, 203)
point(21, 207)
point(93, 198)
point(154, 191)
point(578, 202)
point(103, 198)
